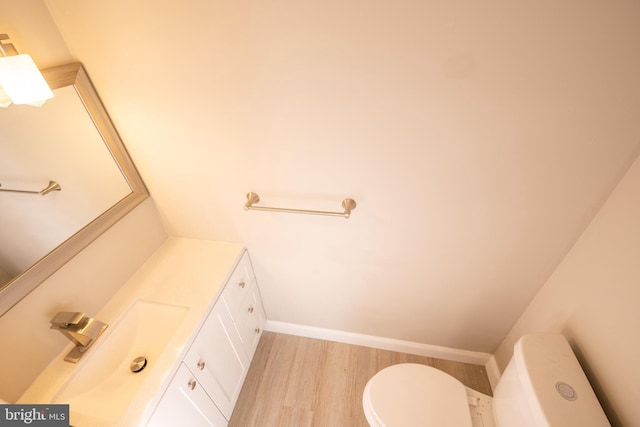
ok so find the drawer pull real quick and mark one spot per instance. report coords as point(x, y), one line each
point(191, 384)
point(241, 284)
point(250, 309)
point(258, 330)
point(200, 365)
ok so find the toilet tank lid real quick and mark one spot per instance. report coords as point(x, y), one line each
point(558, 388)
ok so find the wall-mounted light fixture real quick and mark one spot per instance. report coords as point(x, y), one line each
point(20, 80)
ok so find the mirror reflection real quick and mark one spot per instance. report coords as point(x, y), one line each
point(59, 142)
point(70, 140)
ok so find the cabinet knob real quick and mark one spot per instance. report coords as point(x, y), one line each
point(191, 384)
point(241, 284)
point(250, 309)
point(200, 365)
point(258, 330)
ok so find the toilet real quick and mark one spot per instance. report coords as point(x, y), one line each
point(542, 386)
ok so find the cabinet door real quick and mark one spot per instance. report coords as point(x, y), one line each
point(186, 404)
point(218, 359)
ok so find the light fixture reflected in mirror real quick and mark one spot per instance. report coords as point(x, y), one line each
point(20, 80)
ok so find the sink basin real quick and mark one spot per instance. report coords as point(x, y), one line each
point(102, 383)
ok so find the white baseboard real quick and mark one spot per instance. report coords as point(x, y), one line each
point(465, 356)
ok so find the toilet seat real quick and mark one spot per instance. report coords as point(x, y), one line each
point(409, 394)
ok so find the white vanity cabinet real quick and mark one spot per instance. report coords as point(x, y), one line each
point(206, 386)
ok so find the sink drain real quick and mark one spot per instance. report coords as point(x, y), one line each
point(138, 364)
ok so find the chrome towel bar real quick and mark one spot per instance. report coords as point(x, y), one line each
point(53, 186)
point(347, 204)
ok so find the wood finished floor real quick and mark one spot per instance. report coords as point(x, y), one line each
point(302, 382)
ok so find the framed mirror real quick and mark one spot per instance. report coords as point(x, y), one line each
point(72, 141)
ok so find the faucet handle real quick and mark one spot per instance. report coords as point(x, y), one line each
point(66, 318)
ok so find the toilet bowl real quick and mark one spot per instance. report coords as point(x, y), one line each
point(542, 386)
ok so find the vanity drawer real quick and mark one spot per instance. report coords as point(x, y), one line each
point(249, 320)
point(238, 285)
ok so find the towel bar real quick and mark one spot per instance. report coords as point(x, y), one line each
point(53, 186)
point(347, 204)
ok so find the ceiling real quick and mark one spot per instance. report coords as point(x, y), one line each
point(478, 139)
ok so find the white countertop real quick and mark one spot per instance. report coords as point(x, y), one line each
point(183, 272)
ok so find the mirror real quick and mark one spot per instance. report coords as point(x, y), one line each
point(70, 140)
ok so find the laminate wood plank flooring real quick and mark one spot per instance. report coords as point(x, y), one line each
point(303, 382)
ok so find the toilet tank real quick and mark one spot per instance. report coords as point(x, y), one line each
point(544, 386)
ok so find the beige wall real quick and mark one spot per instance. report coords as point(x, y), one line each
point(478, 139)
point(31, 29)
point(593, 297)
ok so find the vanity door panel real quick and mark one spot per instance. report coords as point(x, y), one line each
point(185, 403)
point(218, 360)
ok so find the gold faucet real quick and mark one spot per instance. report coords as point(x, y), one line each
point(82, 330)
